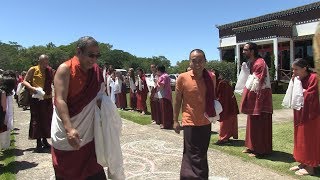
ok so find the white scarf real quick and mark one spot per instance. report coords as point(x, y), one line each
point(82, 122)
point(132, 85)
point(107, 131)
point(294, 95)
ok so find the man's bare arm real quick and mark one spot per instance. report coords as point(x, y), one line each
point(176, 111)
point(61, 87)
point(27, 80)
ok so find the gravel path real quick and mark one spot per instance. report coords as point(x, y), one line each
point(149, 153)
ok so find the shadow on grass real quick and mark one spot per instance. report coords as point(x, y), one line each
point(20, 152)
point(278, 156)
point(235, 143)
point(15, 166)
point(14, 133)
point(317, 172)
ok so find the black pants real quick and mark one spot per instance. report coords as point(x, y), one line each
point(195, 146)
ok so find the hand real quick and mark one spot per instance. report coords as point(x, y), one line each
point(176, 127)
point(73, 138)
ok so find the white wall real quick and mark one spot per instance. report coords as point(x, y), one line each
point(229, 41)
point(304, 29)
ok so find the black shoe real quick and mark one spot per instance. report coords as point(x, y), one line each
point(45, 143)
point(39, 149)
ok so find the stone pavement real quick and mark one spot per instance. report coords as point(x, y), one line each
point(149, 153)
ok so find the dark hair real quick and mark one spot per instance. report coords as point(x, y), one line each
point(7, 84)
point(10, 73)
point(161, 68)
point(254, 47)
point(198, 51)
point(141, 70)
point(302, 63)
point(87, 41)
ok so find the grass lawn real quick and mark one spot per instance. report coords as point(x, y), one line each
point(7, 158)
point(146, 119)
point(280, 160)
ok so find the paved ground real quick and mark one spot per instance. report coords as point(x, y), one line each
point(149, 153)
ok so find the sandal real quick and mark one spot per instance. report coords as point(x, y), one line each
point(252, 155)
point(296, 168)
point(247, 151)
point(303, 172)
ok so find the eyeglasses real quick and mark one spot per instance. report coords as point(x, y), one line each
point(91, 55)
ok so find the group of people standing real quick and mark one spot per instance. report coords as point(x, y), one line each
point(157, 87)
point(79, 84)
point(197, 89)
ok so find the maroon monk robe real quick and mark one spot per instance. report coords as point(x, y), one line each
point(121, 98)
point(166, 113)
point(258, 107)
point(154, 105)
point(228, 117)
point(307, 125)
point(82, 163)
point(142, 95)
point(41, 111)
point(133, 100)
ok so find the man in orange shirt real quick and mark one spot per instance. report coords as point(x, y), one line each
point(195, 93)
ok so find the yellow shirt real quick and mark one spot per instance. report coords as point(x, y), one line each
point(39, 79)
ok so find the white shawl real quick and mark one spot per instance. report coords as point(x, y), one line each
point(82, 122)
point(107, 131)
point(132, 85)
point(242, 78)
point(294, 95)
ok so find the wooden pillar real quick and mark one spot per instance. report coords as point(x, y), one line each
point(275, 53)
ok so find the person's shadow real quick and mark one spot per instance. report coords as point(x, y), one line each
point(15, 166)
point(278, 156)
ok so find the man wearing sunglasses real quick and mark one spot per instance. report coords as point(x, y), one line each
point(77, 83)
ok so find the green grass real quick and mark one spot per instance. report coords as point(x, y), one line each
point(280, 160)
point(276, 100)
point(135, 117)
point(7, 157)
point(146, 119)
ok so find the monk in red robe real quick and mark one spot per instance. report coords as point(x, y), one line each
point(257, 104)
point(142, 92)
point(229, 115)
point(77, 84)
point(306, 121)
point(154, 103)
point(133, 89)
point(40, 76)
point(121, 96)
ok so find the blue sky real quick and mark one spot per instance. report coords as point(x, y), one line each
point(144, 28)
